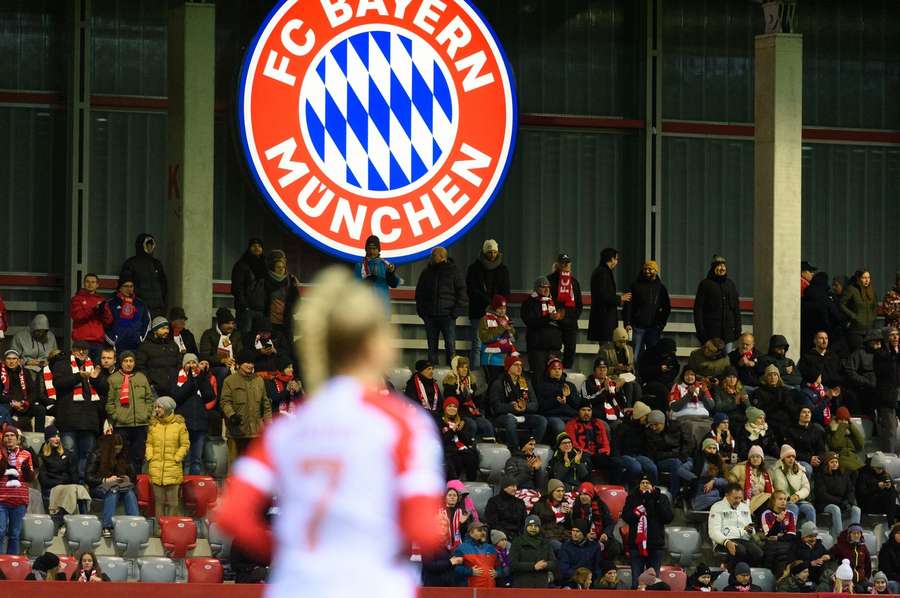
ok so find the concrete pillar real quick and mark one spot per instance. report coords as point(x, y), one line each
point(776, 213)
point(191, 90)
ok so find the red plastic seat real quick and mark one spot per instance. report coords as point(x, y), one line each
point(199, 494)
point(178, 536)
point(204, 570)
point(676, 578)
point(613, 497)
point(67, 565)
point(14, 567)
point(145, 495)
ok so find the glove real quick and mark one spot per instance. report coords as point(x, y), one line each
point(235, 420)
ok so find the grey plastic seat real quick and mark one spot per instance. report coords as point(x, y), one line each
point(826, 537)
point(82, 533)
point(33, 440)
point(544, 452)
point(219, 543)
point(131, 535)
point(576, 378)
point(157, 569)
point(439, 375)
point(399, 378)
point(38, 532)
point(115, 567)
point(215, 457)
point(493, 458)
point(871, 541)
point(35, 502)
point(480, 493)
point(764, 578)
point(683, 543)
point(625, 575)
point(722, 581)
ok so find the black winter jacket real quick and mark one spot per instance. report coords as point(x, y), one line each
point(71, 415)
point(649, 306)
point(506, 513)
point(57, 469)
point(93, 474)
point(834, 488)
point(889, 558)
point(629, 438)
point(525, 552)
point(209, 344)
point(806, 441)
point(887, 378)
point(869, 494)
point(440, 291)
point(191, 405)
point(659, 513)
point(778, 404)
point(159, 359)
point(829, 364)
point(717, 313)
point(748, 375)
point(548, 406)
point(149, 277)
point(485, 279)
point(675, 441)
point(604, 304)
point(859, 368)
point(541, 333)
point(248, 282)
point(190, 343)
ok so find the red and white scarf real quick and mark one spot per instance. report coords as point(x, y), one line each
point(78, 391)
point(182, 379)
point(125, 390)
point(748, 481)
point(5, 378)
point(176, 336)
point(611, 408)
point(566, 293)
point(87, 575)
point(423, 398)
point(640, 533)
point(823, 397)
point(547, 306)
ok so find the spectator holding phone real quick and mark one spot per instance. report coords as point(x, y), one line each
point(731, 528)
point(111, 479)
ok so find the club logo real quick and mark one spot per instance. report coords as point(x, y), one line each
point(388, 117)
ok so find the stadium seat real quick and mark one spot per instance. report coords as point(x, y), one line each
point(676, 578)
point(178, 535)
point(68, 564)
point(33, 440)
point(215, 457)
point(199, 494)
point(576, 378)
point(144, 495)
point(439, 375)
point(892, 466)
point(399, 377)
point(35, 502)
point(115, 567)
point(204, 570)
point(157, 569)
point(493, 458)
point(881, 534)
point(38, 532)
point(625, 575)
point(826, 537)
point(480, 493)
point(722, 580)
point(15, 567)
point(871, 542)
point(613, 497)
point(764, 578)
point(544, 452)
point(219, 543)
point(683, 543)
point(82, 533)
point(131, 535)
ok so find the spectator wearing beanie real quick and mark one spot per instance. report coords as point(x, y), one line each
point(558, 400)
point(543, 334)
point(440, 298)
point(195, 397)
point(609, 578)
point(789, 477)
point(629, 457)
point(20, 393)
point(754, 478)
point(158, 357)
point(669, 445)
point(887, 384)
point(566, 292)
point(618, 354)
point(283, 388)
point(480, 565)
point(875, 490)
point(46, 568)
point(889, 557)
point(845, 439)
point(607, 397)
point(87, 308)
point(245, 417)
point(512, 404)
point(167, 447)
point(505, 511)
point(710, 360)
point(129, 318)
point(531, 558)
point(181, 336)
point(710, 470)
point(497, 336)
point(423, 389)
point(378, 271)
point(811, 549)
point(248, 285)
point(881, 585)
point(460, 383)
point(717, 312)
point(808, 439)
point(841, 581)
point(796, 579)
point(17, 473)
point(835, 494)
point(553, 510)
point(502, 545)
point(720, 431)
point(526, 468)
point(756, 431)
point(814, 395)
point(486, 278)
point(590, 508)
point(777, 355)
point(646, 511)
point(568, 464)
point(129, 406)
point(646, 315)
point(147, 272)
point(657, 369)
point(700, 580)
point(851, 546)
point(729, 398)
point(605, 301)
point(460, 454)
point(220, 344)
point(773, 397)
point(578, 551)
point(741, 580)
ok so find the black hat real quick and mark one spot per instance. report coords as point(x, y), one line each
point(123, 278)
point(563, 257)
point(255, 241)
point(223, 314)
point(246, 356)
point(582, 525)
point(177, 313)
point(50, 432)
point(600, 361)
point(80, 345)
point(807, 267)
point(45, 562)
point(702, 569)
point(423, 364)
point(373, 240)
point(526, 440)
point(742, 568)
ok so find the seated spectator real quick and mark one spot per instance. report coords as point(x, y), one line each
point(480, 565)
point(220, 345)
point(498, 337)
point(648, 581)
point(14, 482)
point(543, 334)
point(58, 476)
point(558, 400)
point(456, 514)
point(859, 373)
point(690, 397)
point(526, 468)
point(811, 549)
point(756, 431)
point(657, 368)
point(744, 360)
point(88, 569)
point(20, 396)
point(46, 568)
point(618, 354)
point(458, 439)
point(513, 406)
point(700, 580)
point(823, 359)
point(796, 579)
point(589, 436)
point(777, 355)
point(880, 584)
point(709, 468)
point(646, 511)
point(609, 578)
point(845, 439)
point(579, 552)
point(128, 317)
point(875, 490)
point(729, 398)
point(181, 336)
point(889, 556)
point(628, 446)
point(505, 511)
point(460, 383)
point(34, 344)
point(709, 361)
point(808, 440)
point(720, 431)
point(789, 477)
point(741, 580)
point(501, 545)
point(820, 400)
point(158, 357)
point(754, 478)
point(531, 559)
point(606, 396)
point(111, 478)
point(773, 397)
point(568, 463)
point(590, 508)
point(669, 446)
point(195, 397)
point(581, 579)
point(839, 579)
point(851, 546)
point(835, 494)
point(731, 528)
point(167, 446)
point(779, 528)
point(284, 390)
point(553, 511)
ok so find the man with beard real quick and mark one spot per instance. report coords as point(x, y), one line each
point(486, 277)
point(646, 315)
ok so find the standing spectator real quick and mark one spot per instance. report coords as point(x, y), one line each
point(497, 338)
point(890, 307)
point(816, 311)
point(195, 397)
point(859, 303)
point(558, 399)
point(605, 301)
point(531, 558)
point(182, 337)
point(76, 387)
point(440, 298)
point(158, 357)
point(18, 472)
point(282, 292)
point(646, 315)
point(128, 407)
point(744, 359)
point(147, 273)
point(807, 271)
point(542, 334)
point(513, 406)
point(480, 561)
point(807, 438)
point(578, 551)
point(790, 478)
point(378, 271)
point(20, 394)
point(87, 308)
point(505, 511)
point(110, 476)
point(34, 344)
point(244, 402)
point(167, 446)
point(717, 311)
point(248, 285)
point(887, 379)
point(875, 490)
point(731, 528)
point(527, 469)
point(283, 389)
point(566, 292)
point(835, 494)
point(646, 511)
point(859, 372)
point(130, 318)
point(589, 437)
point(220, 345)
point(777, 355)
point(486, 278)
point(423, 389)
point(460, 454)
point(4, 321)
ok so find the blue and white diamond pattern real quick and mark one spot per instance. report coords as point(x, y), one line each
point(378, 110)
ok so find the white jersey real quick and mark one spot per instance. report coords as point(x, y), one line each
point(339, 469)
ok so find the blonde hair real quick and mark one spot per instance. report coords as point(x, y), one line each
point(336, 316)
point(47, 449)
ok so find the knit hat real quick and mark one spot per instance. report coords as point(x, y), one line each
point(497, 536)
point(11, 352)
point(373, 240)
point(157, 323)
point(246, 356)
point(879, 460)
point(666, 346)
point(872, 335)
point(125, 354)
point(753, 413)
point(648, 577)
point(600, 361)
point(799, 567)
point(755, 450)
point(742, 568)
point(829, 456)
point(533, 519)
point(167, 403)
point(451, 401)
point(276, 255)
point(553, 485)
point(729, 371)
point(507, 480)
point(561, 437)
point(717, 259)
point(541, 281)
point(808, 529)
point(652, 265)
point(553, 360)
point(45, 562)
point(606, 567)
point(842, 414)
point(224, 315)
point(7, 428)
point(50, 431)
point(490, 245)
point(619, 334)
point(702, 569)
point(498, 301)
point(656, 417)
point(582, 525)
point(587, 488)
point(854, 527)
point(880, 575)
point(563, 258)
point(772, 368)
point(786, 450)
point(188, 357)
point(422, 365)
point(526, 440)
point(844, 572)
point(718, 418)
point(709, 442)
point(510, 361)
point(639, 410)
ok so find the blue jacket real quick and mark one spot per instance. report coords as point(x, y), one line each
point(381, 279)
point(482, 555)
point(127, 331)
point(572, 556)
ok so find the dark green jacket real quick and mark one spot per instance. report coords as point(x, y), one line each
point(525, 552)
point(860, 312)
point(140, 403)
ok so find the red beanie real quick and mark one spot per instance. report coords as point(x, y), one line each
point(842, 414)
point(510, 360)
point(451, 401)
point(553, 360)
point(498, 301)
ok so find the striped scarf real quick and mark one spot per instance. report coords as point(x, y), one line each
point(78, 391)
point(182, 379)
point(5, 378)
point(566, 293)
point(612, 411)
point(748, 480)
point(423, 397)
point(547, 306)
point(640, 532)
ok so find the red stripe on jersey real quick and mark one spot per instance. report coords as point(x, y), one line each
point(418, 522)
point(257, 451)
point(396, 410)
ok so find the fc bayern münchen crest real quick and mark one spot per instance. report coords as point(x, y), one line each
point(394, 118)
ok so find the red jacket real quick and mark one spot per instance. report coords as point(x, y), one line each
point(15, 496)
point(590, 437)
point(87, 323)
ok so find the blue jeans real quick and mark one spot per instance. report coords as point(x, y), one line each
point(193, 465)
point(632, 466)
point(475, 351)
point(111, 499)
point(535, 424)
point(677, 471)
point(802, 508)
point(644, 338)
point(11, 525)
point(440, 326)
point(80, 442)
point(837, 521)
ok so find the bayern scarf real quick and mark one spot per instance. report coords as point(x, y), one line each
point(182, 379)
point(5, 378)
point(547, 306)
point(78, 391)
point(566, 293)
point(611, 408)
point(423, 397)
point(465, 393)
point(819, 390)
point(640, 533)
point(748, 475)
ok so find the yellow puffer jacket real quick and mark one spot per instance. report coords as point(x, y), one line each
point(167, 446)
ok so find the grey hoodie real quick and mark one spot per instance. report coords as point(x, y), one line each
point(29, 348)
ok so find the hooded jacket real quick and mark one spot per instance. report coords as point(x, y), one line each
point(28, 347)
point(248, 282)
point(845, 440)
point(128, 327)
point(782, 363)
point(778, 404)
point(525, 552)
point(650, 305)
point(159, 359)
point(71, 415)
point(441, 291)
point(858, 555)
point(89, 316)
point(149, 278)
point(859, 368)
point(167, 446)
point(477, 554)
point(717, 312)
point(673, 442)
point(484, 279)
